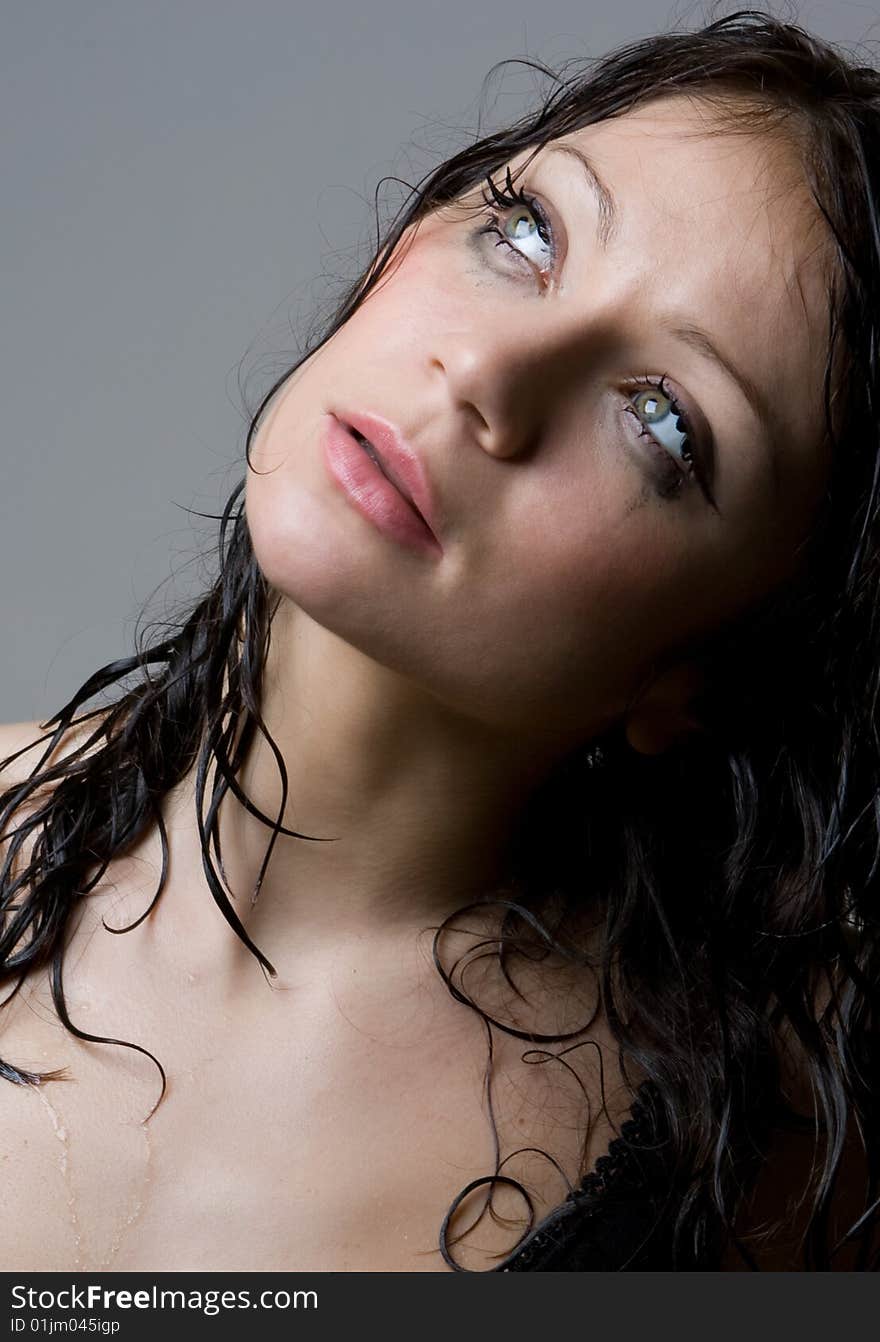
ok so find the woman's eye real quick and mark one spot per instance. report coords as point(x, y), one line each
point(662, 416)
point(674, 447)
point(521, 226)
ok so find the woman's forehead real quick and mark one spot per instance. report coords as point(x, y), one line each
point(671, 175)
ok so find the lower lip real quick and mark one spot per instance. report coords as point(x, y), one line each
point(370, 492)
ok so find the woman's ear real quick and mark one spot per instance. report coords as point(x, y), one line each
point(663, 713)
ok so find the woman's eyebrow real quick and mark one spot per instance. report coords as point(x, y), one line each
point(702, 342)
point(698, 339)
point(609, 213)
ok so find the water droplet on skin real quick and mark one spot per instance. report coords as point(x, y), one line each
point(139, 1203)
point(64, 1164)
point(79, 1257)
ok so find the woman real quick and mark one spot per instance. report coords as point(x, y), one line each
point(525, 741)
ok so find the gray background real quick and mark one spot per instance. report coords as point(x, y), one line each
point(184, 186)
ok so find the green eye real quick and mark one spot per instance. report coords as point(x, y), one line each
point(530, 224)
point(660, 412)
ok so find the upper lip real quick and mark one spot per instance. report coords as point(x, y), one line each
point(399, 461)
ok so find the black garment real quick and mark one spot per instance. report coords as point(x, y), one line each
point(621, 1217)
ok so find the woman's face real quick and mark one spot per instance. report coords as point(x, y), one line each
point(520, 350)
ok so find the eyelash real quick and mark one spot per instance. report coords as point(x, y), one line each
point(675, 475)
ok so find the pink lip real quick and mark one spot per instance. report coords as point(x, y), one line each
point(392, 501)
point(398, 459)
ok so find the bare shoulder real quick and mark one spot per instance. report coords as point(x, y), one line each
point(27, 1133)
point(35, 1120)
point(14, 738)
point(19, 755)
point(23, 744)
point(24, 748)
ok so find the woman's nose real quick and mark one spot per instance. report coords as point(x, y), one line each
point(507, 382)
point(497, 388)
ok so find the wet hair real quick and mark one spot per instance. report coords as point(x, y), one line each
point(734, 878)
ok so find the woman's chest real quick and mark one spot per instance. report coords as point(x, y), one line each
point(321, 1146)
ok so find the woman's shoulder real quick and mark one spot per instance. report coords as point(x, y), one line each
point(18, 757)
point(22, 739)
point(22, 747)
point(16, 737)
point(24, 744)
point(26, 750)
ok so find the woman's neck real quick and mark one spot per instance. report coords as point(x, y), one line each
point(418, 804)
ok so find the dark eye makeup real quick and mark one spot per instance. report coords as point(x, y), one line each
point(674, 464)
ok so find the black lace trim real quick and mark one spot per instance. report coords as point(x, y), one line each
point(621, 1168)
